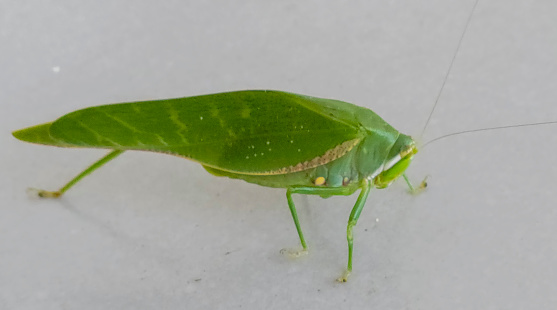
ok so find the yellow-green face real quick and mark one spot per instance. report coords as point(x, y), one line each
point(399, 160)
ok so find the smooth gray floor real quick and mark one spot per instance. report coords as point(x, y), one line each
point(152, 231)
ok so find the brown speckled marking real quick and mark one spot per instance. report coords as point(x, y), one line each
point(332, 154)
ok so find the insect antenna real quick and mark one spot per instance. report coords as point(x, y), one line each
point(486, 129)
point(443, 87)
point(450, 67)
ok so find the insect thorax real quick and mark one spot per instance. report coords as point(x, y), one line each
point(381, 158)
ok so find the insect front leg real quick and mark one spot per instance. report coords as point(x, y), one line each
point(57, 194)
point(415, 190)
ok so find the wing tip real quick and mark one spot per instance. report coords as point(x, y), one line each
point(38, 134)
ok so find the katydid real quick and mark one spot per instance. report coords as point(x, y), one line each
point(307, 145)
point(304, 144)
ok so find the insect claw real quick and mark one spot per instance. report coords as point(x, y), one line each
point(344, 277)
point(420, 188)
point(423, 185)
point(40, 193)
point(292, 253)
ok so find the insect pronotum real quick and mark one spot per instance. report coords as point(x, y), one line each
point(307, 145)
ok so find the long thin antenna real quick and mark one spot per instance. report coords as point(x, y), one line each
point(486, 129)
point(450, 67)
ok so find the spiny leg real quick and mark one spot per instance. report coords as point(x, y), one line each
point(352, 220)
point(308, 191)
point(57, 194)
point(415, 190)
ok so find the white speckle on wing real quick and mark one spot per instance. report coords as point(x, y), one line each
point(268, 142)
point(201, 117)
point(299, 150)
point(291, 141)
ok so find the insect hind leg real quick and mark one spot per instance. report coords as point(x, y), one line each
point(57, 194)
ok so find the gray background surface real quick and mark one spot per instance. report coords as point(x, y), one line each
point(151, 231)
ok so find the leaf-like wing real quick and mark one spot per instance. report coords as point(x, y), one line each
point(251, 132)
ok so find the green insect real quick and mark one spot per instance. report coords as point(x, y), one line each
point(307, 145)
